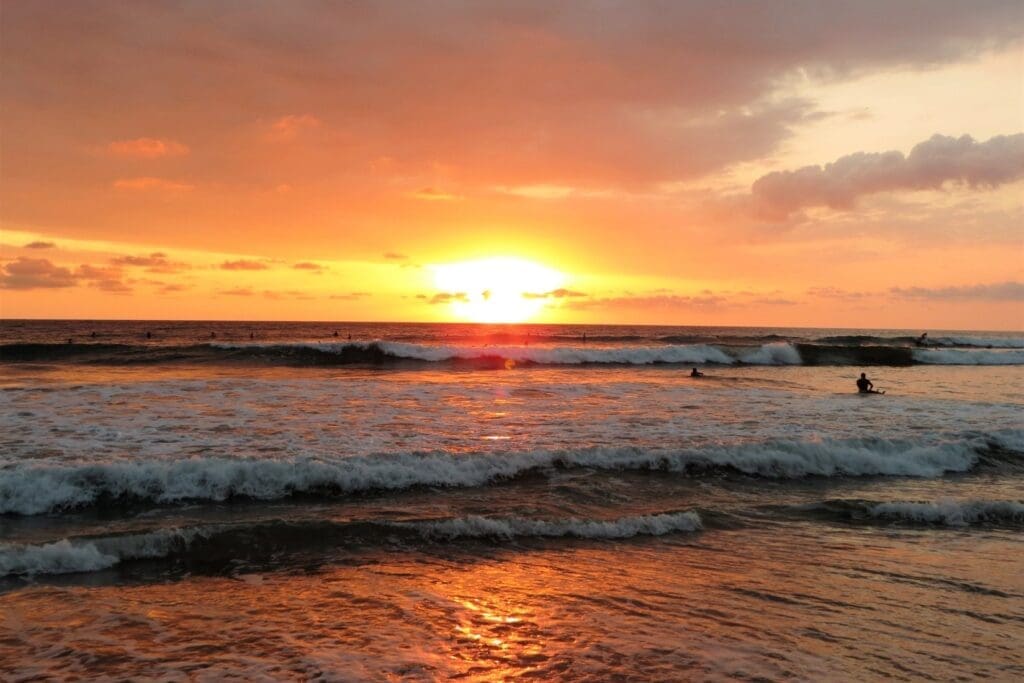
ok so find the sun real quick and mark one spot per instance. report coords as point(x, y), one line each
point(496, 290)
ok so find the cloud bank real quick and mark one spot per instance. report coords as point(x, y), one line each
point(930, 164)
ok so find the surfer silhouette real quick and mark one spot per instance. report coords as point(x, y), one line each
point(864, 385)
point(696, 373)
point(922, 340)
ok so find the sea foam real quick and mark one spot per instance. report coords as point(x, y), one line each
point(41, 488)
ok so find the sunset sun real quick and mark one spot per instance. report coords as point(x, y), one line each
point(495, 290)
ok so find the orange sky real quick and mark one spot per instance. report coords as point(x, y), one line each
point(797, 163)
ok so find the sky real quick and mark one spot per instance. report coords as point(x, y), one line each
point(822, 164)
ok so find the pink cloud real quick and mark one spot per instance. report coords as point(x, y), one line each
point(147, 148)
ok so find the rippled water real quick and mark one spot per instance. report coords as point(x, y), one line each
point(214, 516)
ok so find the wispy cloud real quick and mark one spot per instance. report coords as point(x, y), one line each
point(40, 245)
point(998, 291)
point(150, 183)
point(147, 148)
point(243, 264)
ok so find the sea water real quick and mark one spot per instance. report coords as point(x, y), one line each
point(342, 501)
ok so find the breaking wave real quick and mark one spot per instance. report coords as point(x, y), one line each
point(972, 357)
point(221, 544)
point(944, 512)
point(38, 488)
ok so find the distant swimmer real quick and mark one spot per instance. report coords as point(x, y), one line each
point(149, 335)
point(864, 385)
point(696, 373)
point(252, 335)
point(70, 340)
point(922, 340)
point(213, 335)
point(92, 335)
point(335, 333)
point(350, 336)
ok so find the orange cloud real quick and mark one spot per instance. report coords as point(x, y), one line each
point(147, 148)
point(150, 183)
point(288, 127)
point(243, 264)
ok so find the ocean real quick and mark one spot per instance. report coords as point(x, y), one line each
point(383, 502)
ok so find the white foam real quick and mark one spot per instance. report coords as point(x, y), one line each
point(779, 353)
point(994, 342)
point(67, 557)
point(625, 527)
point(969, 356)
point(35, 489)
point(952, 512)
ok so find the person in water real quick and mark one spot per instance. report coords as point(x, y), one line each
point(696, 373)
point(923, 339)
point(864, 385)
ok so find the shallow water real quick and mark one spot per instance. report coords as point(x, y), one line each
point(212, 516)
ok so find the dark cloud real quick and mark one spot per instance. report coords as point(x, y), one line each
point(30, 273)
point(448, 297)
point(999, 291)
point(395, 256)
point(350, 296)
point(238, 291)
point(929, 165)
point(157, 262)
point(560, 293)
point(40, 245)
point(676, 89)
point(308, 265)
point(242, 264)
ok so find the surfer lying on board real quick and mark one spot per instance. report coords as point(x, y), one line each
point(696, 373)
point(864, 385)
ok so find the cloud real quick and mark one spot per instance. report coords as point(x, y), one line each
point(105, 278)
point(657, 301)
point(308, 265)
point(429, 194)
point(30, 273)
point(243, 264)
point(351, 296)
point(289, 127)
point(156, 262)
point(677, 90)
point(448, 297)
point(394, 256)
point(147, 148)
point(929, 165)
point(238, 291)
point(149, 183)
point(999, 291)
point(560, 293)
point(40, 245)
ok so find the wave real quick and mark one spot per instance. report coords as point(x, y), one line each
point(944, 512)
point(67, 557)
point(484, 357)
point(223, 544)
point(965, 357)
point(952, 512)
point(43, 488)
point(626, 527)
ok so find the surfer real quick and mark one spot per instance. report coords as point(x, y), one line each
point(696, 373)
point(864, 385)
point(922, 340)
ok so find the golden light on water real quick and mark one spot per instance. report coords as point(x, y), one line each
point(496, 290)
